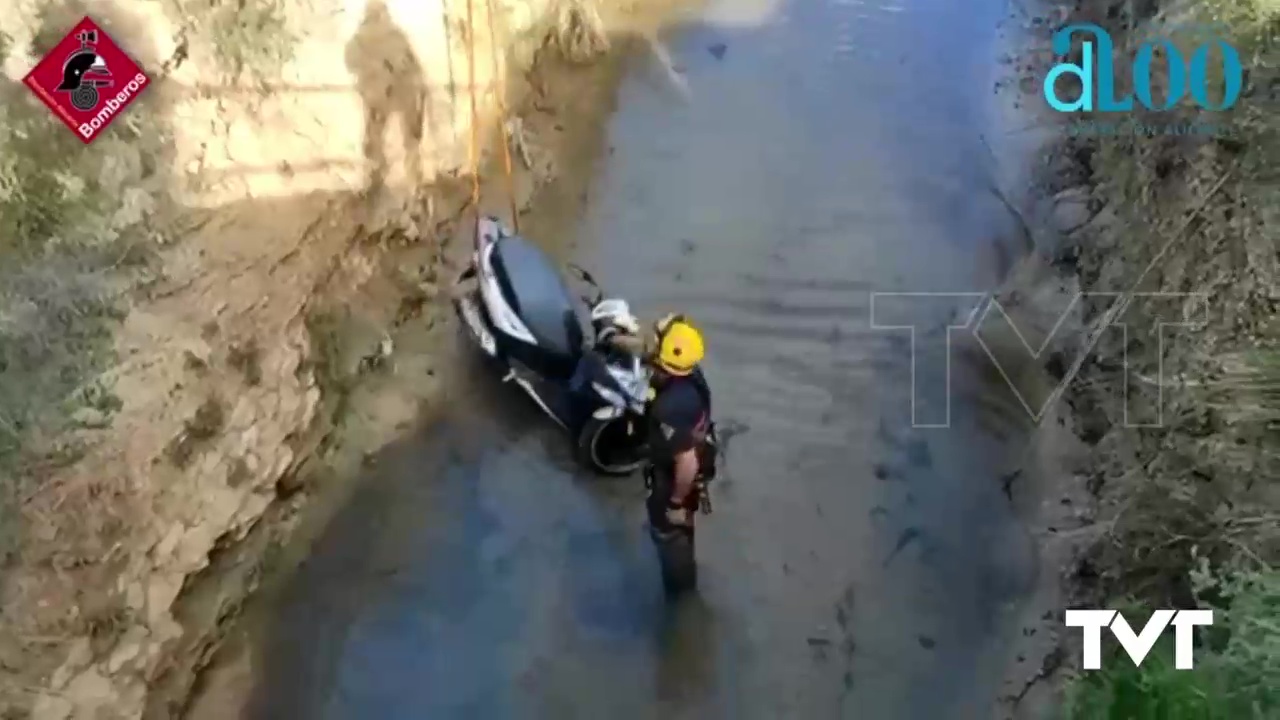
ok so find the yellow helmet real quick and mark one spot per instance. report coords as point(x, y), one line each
point(679, 346)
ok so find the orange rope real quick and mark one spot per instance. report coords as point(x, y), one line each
point(474, 140)
point(474, 144)
point(500, 78)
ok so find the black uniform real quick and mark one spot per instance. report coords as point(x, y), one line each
point(679, 418)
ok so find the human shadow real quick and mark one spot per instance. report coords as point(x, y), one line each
point(687, 647)
point(391, 84)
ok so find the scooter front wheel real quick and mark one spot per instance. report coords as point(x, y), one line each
point(611, 446)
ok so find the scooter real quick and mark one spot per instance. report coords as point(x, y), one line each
point(519, 310)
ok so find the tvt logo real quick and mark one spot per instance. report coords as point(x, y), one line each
point(1183, 75)
point(1138, 645)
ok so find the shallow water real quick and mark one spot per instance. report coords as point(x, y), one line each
point(855, 566)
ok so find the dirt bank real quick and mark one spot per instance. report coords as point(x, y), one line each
point(1172, 435)
point(202, 299)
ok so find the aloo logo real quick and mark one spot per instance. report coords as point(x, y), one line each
point(87, 80)
point(1184, 74)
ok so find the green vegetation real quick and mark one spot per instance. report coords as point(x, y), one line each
point(75, 235)
point(253, 38)
point(71, 244)
point(1193, 506)
point(1237, 673)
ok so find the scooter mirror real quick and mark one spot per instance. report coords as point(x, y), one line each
point(590, 280)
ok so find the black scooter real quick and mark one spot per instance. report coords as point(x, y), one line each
point(521, 313)
point(523, 316)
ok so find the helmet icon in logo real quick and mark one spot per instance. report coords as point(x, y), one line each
point(84, 72)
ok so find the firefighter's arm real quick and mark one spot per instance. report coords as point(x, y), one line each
point(631, 344)
point(686, 472)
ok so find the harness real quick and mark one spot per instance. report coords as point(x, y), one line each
point(704, 427)
point(707, 447)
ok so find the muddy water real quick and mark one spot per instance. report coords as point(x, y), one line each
point(855, 566)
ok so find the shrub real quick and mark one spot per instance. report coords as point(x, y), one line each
point(1197, 497)
point(1237, 673)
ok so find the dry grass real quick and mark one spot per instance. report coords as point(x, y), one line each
point(248, 39)
point(578, 31)
point(79, 229)
point(1206, 466)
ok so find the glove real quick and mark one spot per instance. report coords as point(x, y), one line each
point(627, 324)
point(679, 515)
point(625, 342)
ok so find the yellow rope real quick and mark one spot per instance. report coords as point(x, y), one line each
point(473, 145)
point(500, 77)
point(474, 140)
